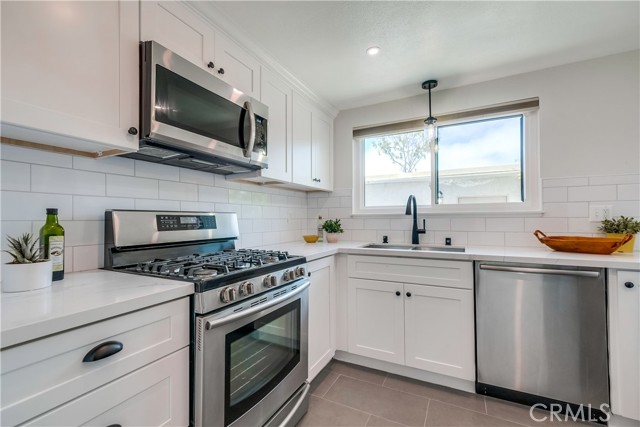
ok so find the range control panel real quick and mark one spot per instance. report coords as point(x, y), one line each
point(185, 222)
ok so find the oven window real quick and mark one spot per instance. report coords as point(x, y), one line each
point(184, 104)
point(258, 356)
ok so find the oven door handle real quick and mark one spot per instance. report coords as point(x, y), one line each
point(210, 324)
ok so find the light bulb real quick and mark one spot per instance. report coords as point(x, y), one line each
point(430, 133)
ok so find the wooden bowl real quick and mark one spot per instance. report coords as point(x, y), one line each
point(310, 238)
point(587, 245)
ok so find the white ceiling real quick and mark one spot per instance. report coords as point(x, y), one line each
point(323, 43)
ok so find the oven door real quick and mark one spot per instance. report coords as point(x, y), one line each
point(250, 363)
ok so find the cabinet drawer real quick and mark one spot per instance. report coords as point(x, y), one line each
point(48, 372)
point(155, 395)
point(450, 274)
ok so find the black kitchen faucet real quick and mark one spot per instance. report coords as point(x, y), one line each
point(415, 230)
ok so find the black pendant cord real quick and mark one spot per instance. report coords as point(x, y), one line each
point(429, 101)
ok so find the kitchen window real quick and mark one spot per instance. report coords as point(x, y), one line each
point(483, 161)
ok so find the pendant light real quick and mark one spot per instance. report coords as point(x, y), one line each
point(430, 122)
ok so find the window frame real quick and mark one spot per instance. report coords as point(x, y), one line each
point(530, 166)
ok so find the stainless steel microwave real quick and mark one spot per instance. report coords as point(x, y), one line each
point(190, 118)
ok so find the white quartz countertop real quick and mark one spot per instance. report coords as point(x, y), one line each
point(79, 299)
point(531, 255)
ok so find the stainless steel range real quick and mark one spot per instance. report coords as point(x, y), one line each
point(251, 312)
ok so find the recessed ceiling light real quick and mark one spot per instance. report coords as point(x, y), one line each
point(373, 50)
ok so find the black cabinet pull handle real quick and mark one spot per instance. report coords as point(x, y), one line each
point(398, 293)
point(103, 350)
point(221, 70)
point(629, 285)
point(114, 425)
point(408, 294)
point(210, 65)
point(132, 131)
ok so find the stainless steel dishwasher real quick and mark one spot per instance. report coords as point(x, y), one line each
point(541, 335)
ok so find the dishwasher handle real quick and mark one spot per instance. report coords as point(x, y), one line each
point(534, 270)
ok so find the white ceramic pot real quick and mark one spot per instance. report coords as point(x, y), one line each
point(26, 277)
point(332, 237)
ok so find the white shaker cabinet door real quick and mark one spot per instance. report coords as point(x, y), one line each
point(180, 30)
point(322, 315)
point(624, 342)
point(439, 330)
point(70, 73)
point(322, 150)
point(236, 66)
point(302, 154)
point(277, 94)
point(376, 319)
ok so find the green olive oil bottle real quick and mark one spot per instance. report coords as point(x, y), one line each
point(52, 243)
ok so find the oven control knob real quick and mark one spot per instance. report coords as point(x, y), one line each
point(300, 272)
point(246, 289)
point(287, 275)
point(269, 281)
point(228, 294)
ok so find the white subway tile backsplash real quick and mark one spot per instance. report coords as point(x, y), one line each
point(629, 192)
point(485, 238)
point(114, 165)
point(346, 202)
point(271, 212)
point(402, 224)
point(196, 177)
point(626, 208)
point(614, 179)
point(505, 224)
point(88, 257)
point(47, 179)
point(80, 233)
point(213, 194)
point(565, 182)
point(197, 206)
point(226, 207)
point(364, 235)
point(128, 186)
point(21, 206)
point(14, 229)
point(16, 176)
point(554, 194)
point(156, 171)
point(592, 193)
point(177, 191)
point(376, 224)
point(339, 213)
point(521, 239)
point(245, 226)
point(86, 208)
point(278, 200)
point(468, 224)
point(330, 202)
point(251, 211)
point(559, 210)
point(352, 223)
point(38, 157)
point(438, 224)
point(458, 238)
point(261, 199)
point(240, 197)
point(157, 205)
point(582, 225)
point(251, 240)
point(394, 236)
point(545, 225)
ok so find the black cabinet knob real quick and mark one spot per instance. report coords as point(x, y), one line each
point(408, 294)
point(115, 425)
point(397, 293)
point(210, 65)
point(132, 131)
point(629, 285)
point(221, 70)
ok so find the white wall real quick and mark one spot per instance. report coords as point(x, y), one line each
point(589, 144)
point(83, 188)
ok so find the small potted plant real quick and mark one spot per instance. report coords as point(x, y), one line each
point(27, 271)
point(616, 227)
point(333, 229)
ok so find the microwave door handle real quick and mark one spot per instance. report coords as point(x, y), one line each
point(252, 135)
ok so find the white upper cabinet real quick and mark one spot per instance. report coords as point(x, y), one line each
point(178, 29)
point(277, 94)
point(70, 73)
point(183, 31)
point(312, 145)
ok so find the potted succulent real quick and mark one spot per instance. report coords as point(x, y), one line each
point(333, 229)
point(28, 270)
point(616, 227)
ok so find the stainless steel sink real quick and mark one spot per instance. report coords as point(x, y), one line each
point(425, 248)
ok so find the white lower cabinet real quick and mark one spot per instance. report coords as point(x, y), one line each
point(322, 326)
point(52, 381)
point(419, 325)
point(624, 342)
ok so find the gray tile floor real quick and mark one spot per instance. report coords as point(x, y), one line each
point(349, 395)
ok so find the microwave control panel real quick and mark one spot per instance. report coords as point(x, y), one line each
point(185, 222)
point(260, 145)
